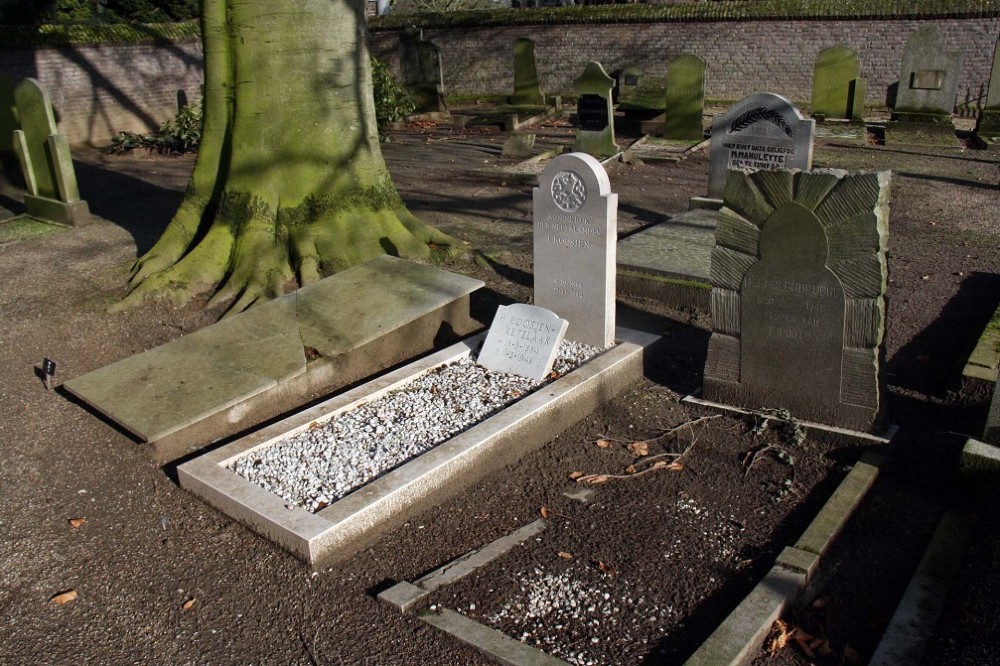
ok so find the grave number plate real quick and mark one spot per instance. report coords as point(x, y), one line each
point(48, 367)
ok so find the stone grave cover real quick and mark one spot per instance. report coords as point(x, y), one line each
point(576, 229)
point(798, 297)
point(523, 340)
point(764, 131)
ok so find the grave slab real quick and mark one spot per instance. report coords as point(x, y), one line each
point(244, 369)
point(357, 519)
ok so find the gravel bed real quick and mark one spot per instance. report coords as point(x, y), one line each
point(318, 466)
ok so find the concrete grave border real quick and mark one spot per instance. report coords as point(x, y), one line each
point(356, 520)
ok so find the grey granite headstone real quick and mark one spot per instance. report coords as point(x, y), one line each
point(837, 93)
point(798, 297)
point(576, 229)
point(991, 433)
point(988, 124)
point(523, 340)
point(764, 131)
point(595, 132)
point(45, 159)
point(527, 91)
point(685, 103)
point(420, 71)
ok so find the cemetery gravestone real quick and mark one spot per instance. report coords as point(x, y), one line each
point(628, 83)
point(420, 70)
point(988, 124)
point(523, 340)
point(595, 134)
point(798, 297)
point(527, 91)
point(928, 83)
point(53, 194)
point(685, 103)
point(576, 232)
point(764, 131)
point(837, 93)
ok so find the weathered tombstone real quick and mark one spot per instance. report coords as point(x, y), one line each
point(420, 71)
point(837, 93)
point(928, 83)
point(518, 144)
point(527, 91)
point(685, 103)
point(628, 82)
point(576, 232)
point(53, 194)
point(523, 340)
point(798, 297)
point(595, 132)
point(991, 433)
point(988, 125)
point(764, 131)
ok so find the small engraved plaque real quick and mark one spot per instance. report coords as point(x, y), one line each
point(927, 79)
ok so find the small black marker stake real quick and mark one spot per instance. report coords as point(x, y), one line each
point(48, 372)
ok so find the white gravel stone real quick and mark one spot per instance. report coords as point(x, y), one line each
point(320, 465)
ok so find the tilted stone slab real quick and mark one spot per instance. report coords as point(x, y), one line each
point(810, 331)
point(274, 357)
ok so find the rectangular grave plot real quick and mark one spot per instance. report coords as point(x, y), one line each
point(357, 519)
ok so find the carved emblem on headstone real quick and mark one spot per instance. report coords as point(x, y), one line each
point(568, 191)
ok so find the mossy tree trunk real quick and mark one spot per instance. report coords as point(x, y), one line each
point(289, 184)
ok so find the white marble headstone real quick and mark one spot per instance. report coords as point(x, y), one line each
point(523, 340)
point(576, 233)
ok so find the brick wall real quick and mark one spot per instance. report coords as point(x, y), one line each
point(97, 91)
point(741, 57)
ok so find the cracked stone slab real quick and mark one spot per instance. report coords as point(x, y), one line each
point(679, 247)
point(248, 367)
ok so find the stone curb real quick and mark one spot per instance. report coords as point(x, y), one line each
point(737, 639)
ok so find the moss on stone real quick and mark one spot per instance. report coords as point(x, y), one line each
point(27, 36)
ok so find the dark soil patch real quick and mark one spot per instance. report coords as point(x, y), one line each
point(148, 548)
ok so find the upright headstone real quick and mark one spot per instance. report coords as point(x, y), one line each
point(523, 340)
point(685, 104)
point(764, 131)
point(595, 132)
point(988, 125)
point(527, 91)
point(576, 233)
point(837, 93)
point(53, 194)
point(629, 78)
point(928, 83)
point(420, 71)
point(798, 295)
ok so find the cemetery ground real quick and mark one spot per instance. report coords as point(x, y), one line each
point(654, 561)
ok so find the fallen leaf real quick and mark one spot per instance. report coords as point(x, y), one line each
point(576, 475)
point(804, 646)
point(630, 469)
point(675, 466)
point(605, 568)
point(565, 555)
point(187, 604)
point(780, 634)
point(603, 444)
point(544, 511)
point(596, 479)
point(639, 448)
point(64, 597)
point(76, 522)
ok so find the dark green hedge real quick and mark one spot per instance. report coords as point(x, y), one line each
point(22, 36)
point(726, 10)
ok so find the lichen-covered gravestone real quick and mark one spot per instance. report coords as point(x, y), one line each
point(837, 93)
point(764, 131)
point(925, 98)
point(798, 297)
point(988, 125)
point(685, 100)
point(420, 71)
point(53, 194)
point(523, 340)
point(527, 91)
point(576, 233)
point(595, 132)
